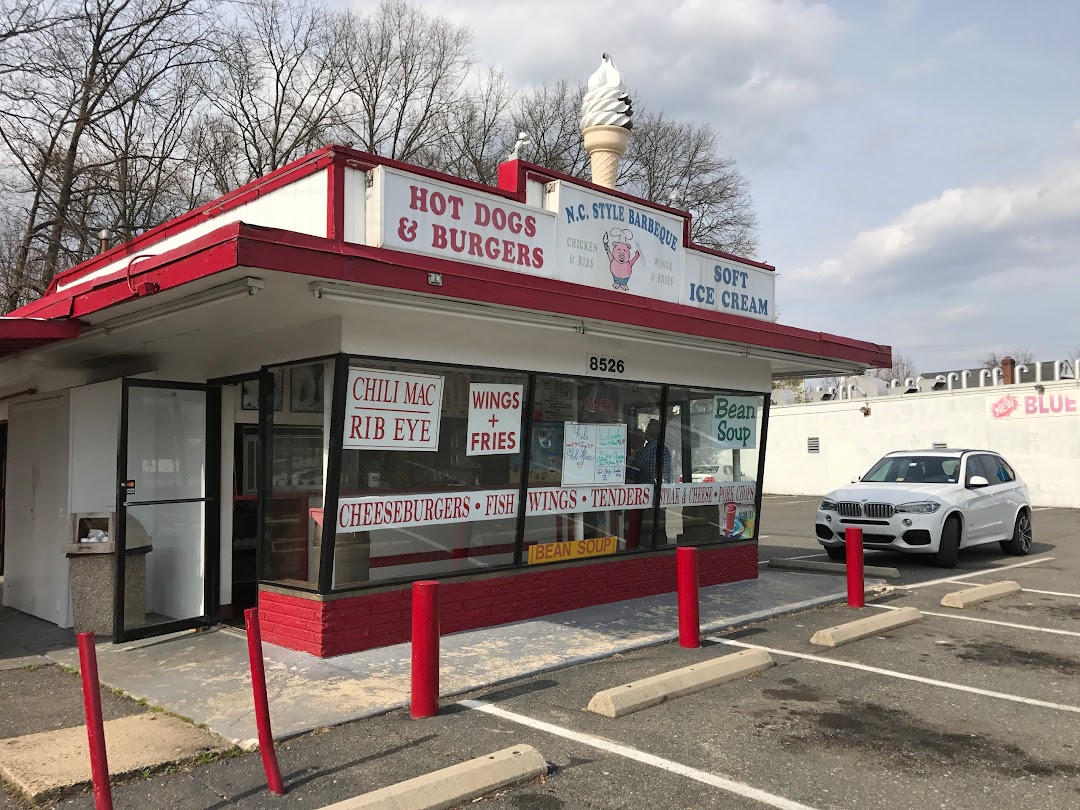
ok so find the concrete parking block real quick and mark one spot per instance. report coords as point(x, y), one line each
point(455, 785)
point(632, 697)
point(822, 567)
point(45, 764)
point(980, 593)
point(861, 628)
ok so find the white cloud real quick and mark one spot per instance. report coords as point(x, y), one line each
point(1076, 127)
point(900, 12)
point(965, 36)
point(970, 268)
point(963, 312)
point(905, 71)
point(966, 231)
point(750, 67)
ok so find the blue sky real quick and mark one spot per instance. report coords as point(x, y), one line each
point(915, 165)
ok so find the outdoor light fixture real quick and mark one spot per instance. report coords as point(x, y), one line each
point(420, 302)
point(1039, 388)
point(242, 288)
point(327, 291)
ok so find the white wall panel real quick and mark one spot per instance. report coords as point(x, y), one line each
point(1044, 450)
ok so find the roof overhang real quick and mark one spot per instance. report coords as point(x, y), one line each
point(24, 334)
point(395, 278)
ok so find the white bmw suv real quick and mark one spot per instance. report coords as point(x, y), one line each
point(931, 502)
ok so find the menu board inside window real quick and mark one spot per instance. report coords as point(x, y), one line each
point(557, 400)
point(593, 454)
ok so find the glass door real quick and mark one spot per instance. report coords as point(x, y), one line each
point(167, 518)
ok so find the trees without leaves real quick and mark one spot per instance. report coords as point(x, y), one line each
point(903, 368)
point(275, 90)
point(121, 114)
point(1021, 354)
point(402, 70)
point(92, 62)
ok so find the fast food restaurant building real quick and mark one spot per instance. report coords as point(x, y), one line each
point(353, 373)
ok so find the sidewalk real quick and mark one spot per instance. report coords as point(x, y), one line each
point(204, 676)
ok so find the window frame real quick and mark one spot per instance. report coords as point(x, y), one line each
point(343, 362)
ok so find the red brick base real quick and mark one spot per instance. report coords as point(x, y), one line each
point(360, 622)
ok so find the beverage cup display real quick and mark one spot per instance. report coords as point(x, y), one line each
point(729, 518)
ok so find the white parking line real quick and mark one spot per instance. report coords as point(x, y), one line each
point(986, 621)
point(962, 577)
point(1053, 593)
point(836, 662)
point(964, 582)
point(738, 788)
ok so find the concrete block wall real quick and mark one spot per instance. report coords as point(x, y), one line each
point(1043, 447)
point(353, 623)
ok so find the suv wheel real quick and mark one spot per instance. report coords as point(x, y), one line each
point(949, 547)
point(1021, 539)
point(836, 552)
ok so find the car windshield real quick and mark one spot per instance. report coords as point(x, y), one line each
point(914, 470)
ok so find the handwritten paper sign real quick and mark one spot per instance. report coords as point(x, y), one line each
point(593, 454)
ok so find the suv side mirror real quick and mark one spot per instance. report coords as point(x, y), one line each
point(856, 479)
point(977, 482)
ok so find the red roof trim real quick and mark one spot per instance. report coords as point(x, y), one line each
point(289, 173)
point(22, 334)
point(363, 160)
point(511, 185)
point(286, 251)
point(155, 273)
point(237, 244)
point(32, 329)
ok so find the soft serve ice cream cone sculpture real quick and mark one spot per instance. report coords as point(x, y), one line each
point(605, 122)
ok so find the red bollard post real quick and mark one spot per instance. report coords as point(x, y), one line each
point(689, 617)
point(856, 587)
point(95, 727)
point(262, 705)
point(425, 649)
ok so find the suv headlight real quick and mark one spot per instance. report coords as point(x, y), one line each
point(919, 507)
point(827, 505)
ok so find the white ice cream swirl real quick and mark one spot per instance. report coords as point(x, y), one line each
point(606, 103)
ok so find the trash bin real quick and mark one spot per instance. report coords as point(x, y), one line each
point(92, 572)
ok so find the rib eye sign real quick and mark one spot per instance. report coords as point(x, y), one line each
point(389, 410)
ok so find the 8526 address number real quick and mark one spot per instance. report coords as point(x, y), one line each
point(606, 365)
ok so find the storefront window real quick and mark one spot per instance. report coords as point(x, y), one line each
point(297, 456)
point(428, 483)
point(713, 438)
point(592, 472)
point(435, 460)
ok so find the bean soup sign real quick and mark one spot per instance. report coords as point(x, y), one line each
point(735, 422)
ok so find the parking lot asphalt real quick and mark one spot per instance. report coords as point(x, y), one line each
point(977, 708)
